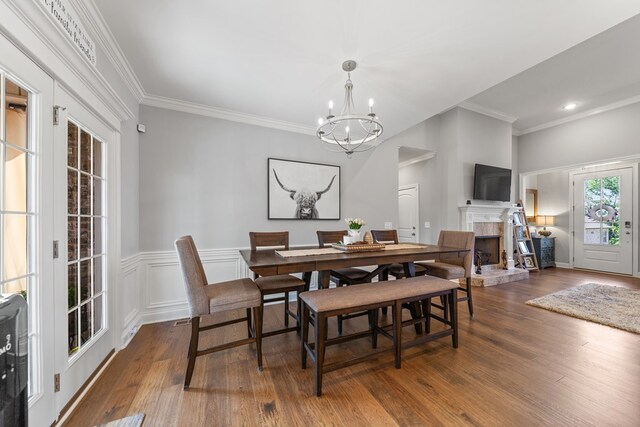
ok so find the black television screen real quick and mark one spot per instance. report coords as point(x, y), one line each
point(492, 183)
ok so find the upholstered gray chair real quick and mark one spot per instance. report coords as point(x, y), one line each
point(450, 266)
point(207, 299)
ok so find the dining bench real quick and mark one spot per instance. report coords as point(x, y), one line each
point(319, 305)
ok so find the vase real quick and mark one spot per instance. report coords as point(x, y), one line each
point(356, 235)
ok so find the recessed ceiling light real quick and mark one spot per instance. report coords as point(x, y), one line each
point(570, 106)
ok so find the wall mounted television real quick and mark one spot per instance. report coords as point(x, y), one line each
point(492, 183)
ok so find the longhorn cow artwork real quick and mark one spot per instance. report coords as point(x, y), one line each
point(300, 190)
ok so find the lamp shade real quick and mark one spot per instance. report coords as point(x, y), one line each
point(545, 220)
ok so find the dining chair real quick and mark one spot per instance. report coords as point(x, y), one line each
point(279, 284)
point(343, 276)
point(207, 299)
point(451, 266)
point(396, 270)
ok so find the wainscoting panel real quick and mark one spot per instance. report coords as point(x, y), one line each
point(153, 290)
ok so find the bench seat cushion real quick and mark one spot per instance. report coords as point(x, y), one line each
point(324, 300)
point(444, 270)
point(232, 295)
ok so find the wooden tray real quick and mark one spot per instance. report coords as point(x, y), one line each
point(358, 247)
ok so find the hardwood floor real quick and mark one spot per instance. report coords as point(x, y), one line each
point(516, 365)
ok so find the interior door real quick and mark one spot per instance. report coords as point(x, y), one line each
point(602, 215)
point(83, 336)
point(408, 203)
point(26, 211)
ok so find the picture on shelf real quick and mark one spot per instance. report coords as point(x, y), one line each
point(524, 249)
point(528, 262)
point(517, 218)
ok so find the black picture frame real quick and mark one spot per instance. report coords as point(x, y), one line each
point(528, 261)
point(298, 190)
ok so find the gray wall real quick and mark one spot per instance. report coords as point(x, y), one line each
point(553, 199)
point(208, 178)
point(594, 139)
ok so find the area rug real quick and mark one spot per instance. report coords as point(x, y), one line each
point(608, 305)
point(131, 421)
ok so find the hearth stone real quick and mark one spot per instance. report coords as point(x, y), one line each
point(494, 275)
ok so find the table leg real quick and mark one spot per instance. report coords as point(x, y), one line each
point(323, 279)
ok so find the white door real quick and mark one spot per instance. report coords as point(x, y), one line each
point(602, 215)
point(408, 203)
point(26, 213)
point(82, 223)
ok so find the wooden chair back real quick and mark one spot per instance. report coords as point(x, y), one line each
point(270, 239)
point(458, 239)
point(385, 236)
point(327, 238)
point(193, 276)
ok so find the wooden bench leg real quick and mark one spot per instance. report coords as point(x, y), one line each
point(257, 315)
point(305, 336)
point(453, 311)
point(426, 312)
point(249, 333)
point(396, 312)
point(374, 327)
point(321, 324)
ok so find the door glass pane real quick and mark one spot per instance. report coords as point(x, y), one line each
point(85, 323)
point(97, 196)
point(72, 238)
point(85, 194)
point(85, 151)
point(97, 314)
point(73, 286)
point(602, 211)
point(72, 145)
point(85, 280)
point(72, 191)
point(97, 157)
point(15, 246)
point(15, 197)
point(85, 227)
point(16, 114)
point(73, 331)
point(97, 275)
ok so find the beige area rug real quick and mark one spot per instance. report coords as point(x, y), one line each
point(131, 421)
point(608, 305)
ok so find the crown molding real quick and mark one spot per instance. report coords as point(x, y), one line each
point(423, 158)
point(582, 115)
point(480, 109)
point(35, 34)
point(91, 16)
point(220, 113)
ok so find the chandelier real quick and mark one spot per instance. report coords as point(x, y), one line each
point(350, 132)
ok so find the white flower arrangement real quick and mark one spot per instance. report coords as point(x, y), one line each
point(355, 223)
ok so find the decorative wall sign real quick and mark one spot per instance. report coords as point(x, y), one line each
point(301, 190)
point(61, 12)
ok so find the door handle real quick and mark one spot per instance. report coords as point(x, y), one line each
point(413, 234)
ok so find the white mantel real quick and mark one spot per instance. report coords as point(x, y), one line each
point(470, 214)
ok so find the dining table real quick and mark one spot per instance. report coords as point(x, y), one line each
point(305, 260)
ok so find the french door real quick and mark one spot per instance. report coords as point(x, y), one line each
point(83, 336)
point(602, 220)
point(26, 213)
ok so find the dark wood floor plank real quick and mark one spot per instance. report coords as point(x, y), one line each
point(516, 365)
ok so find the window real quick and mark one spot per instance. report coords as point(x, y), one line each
point(85, 227)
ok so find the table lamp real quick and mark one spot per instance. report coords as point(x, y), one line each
point(545, 220)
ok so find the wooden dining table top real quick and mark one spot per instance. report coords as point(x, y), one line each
point(269, 263)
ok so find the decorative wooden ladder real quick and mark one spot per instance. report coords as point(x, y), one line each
point(523, 245)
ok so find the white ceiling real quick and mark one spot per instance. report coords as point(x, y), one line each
point(281, 59)
point(599, 72)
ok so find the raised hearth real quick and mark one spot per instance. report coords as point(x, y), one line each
point(494, 275)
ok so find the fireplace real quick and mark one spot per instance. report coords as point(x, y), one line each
point(488, 249)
